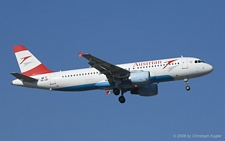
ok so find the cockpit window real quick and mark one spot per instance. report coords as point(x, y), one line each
point(199, 61)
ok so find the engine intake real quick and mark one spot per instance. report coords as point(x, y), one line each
point(140, 78)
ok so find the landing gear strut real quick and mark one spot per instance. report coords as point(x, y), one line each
point(186, 83)
point(122, 98)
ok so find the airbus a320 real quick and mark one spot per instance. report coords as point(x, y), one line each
point(139, 78)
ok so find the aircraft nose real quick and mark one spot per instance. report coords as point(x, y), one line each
point(209, 68)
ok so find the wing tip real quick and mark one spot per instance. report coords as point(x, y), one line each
point(80, 54)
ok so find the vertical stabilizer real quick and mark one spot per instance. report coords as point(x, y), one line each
point(28, 63)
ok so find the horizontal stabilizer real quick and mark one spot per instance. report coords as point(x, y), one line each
point(24, 77)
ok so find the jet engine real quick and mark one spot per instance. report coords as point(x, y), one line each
point(139, 78)
point(148, 90)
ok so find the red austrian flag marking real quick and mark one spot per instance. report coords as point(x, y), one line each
point(24, 58)
point(169, 62)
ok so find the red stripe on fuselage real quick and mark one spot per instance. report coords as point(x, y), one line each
point(40, 69)
point(19, 48)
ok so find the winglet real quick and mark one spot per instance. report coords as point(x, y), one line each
point(80, 54)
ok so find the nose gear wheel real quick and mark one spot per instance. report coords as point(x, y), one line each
point(186, 83)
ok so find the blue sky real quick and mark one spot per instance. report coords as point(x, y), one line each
point(118, 32)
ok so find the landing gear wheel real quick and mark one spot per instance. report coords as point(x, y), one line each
point(188, 88)
point(116, 91)
point(186, 83)
point(122, 99)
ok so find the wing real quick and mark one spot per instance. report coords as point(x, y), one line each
point(111, 71)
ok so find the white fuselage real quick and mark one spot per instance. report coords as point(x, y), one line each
point(90, 78)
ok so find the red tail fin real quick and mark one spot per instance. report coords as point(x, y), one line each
point(28, 63)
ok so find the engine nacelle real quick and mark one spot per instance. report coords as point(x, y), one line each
point(140, 78)
point(148, 90)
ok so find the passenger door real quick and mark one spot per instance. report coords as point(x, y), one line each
point(184, 62)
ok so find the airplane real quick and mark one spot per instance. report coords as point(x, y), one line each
point(139, 78)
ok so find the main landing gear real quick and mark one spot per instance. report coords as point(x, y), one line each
point(122, 99)
point(116, 91)
point(186, 83)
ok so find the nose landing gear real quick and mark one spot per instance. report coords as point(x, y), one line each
point(186, 83)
